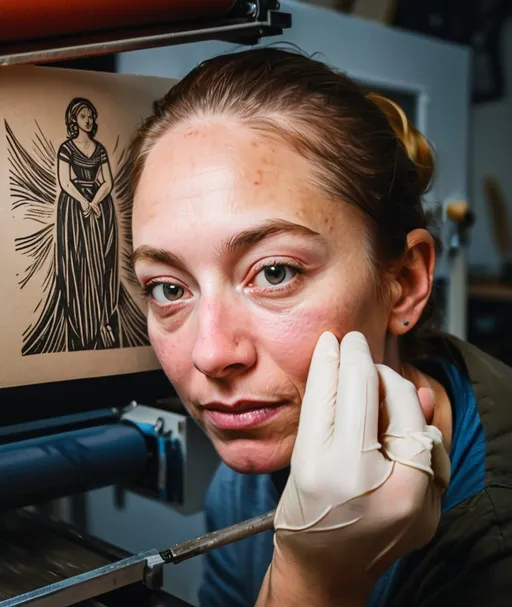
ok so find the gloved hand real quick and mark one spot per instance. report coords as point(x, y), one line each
point(367, 472)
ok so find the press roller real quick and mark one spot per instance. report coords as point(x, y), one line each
point(142, 448)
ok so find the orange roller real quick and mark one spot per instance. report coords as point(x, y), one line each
point(33, 19)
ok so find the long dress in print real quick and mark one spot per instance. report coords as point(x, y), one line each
point(87, 305)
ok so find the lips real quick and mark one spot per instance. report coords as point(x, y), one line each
point(241, 414)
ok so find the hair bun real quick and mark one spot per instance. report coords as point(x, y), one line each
point(417, 147)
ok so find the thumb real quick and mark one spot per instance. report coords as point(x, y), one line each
point(427, 400)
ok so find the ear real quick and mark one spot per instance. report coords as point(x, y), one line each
point(412, 282)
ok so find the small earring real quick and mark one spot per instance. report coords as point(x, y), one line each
point(406, 323)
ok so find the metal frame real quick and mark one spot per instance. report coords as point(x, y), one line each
point(144, 567)
point(248, 22)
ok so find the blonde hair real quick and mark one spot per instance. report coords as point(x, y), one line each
point(417, 147)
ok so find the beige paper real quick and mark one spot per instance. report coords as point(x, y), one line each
point(69, 307)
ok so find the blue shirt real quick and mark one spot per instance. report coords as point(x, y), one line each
point(233, 574)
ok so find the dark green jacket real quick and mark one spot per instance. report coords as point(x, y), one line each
point(469, 562)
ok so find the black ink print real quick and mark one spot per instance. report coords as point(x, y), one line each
point(85, 305)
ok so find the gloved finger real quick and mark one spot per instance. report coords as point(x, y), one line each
point(402, 402)
point(407, 439)
point(317, 411)
point(357, 407)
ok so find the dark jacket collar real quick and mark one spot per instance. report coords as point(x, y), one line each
point(492, 385)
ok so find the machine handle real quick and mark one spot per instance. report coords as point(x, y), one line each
point(217, 539)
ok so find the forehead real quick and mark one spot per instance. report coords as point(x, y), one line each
point(211, 172)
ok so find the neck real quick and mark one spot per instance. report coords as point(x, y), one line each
point(82, 137)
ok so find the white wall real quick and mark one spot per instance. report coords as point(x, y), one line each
point(491, 153)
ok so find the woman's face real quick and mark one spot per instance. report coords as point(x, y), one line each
point(85, 120)
point(246, 263)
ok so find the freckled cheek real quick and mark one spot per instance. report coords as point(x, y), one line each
point(172, 351)
point(291, 339)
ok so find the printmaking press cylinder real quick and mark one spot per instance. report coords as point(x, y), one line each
point(28, 19)
point(48, 467)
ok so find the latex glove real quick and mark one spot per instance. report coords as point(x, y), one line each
point(352, 504)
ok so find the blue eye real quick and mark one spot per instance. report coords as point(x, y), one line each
point(276, 274)
point(166, 292)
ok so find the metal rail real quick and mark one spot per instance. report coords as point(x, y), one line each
point(146, 567)
point(103, 43)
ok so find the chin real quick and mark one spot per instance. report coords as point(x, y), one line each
point(253, 456)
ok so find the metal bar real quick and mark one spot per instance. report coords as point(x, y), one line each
point(130, 40)
point(219, 538)
point(144, 567)
point(457, 297)
point(88, 585)
point(36, 19)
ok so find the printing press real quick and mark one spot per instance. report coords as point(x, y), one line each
point(78, 418)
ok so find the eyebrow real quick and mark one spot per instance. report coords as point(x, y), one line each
point(269, 228)
point(243, 240)
point(155, 254)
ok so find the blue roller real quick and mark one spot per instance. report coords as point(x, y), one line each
point(61, 464)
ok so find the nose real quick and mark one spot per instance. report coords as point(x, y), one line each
point(223, 344)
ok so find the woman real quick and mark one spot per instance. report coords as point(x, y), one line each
point(87, 242)
point(277, 211)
